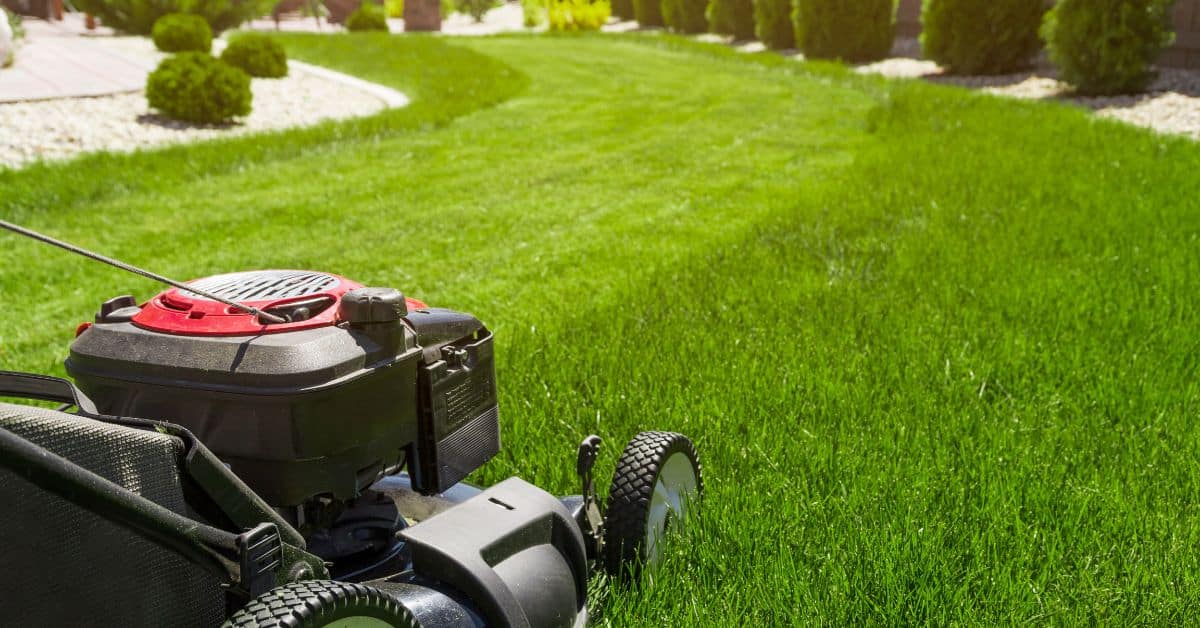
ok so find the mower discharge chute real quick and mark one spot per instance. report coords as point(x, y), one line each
point(287, 448)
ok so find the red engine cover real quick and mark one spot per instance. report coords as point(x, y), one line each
point(178, 311)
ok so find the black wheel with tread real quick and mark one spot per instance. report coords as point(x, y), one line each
point(656, 482)
point(315, 603)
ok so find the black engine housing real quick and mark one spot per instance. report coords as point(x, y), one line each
point(321, 412)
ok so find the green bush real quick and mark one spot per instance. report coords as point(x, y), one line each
point(577, 15)
point(257, 55)
point(8, 50)
point(368, 17)
point(981, 36)
point(195, 87)
point(9, 39)
point(14, 22)
point(1107, 46)
point(138, 16)
point(731, 17)
point(476, 8)
point(533, 13)
point(394, 8)
point(773, 24)
point(179, 32)
point(623, 9)
point(850, 30)
point(685, 16)
point(648, 12)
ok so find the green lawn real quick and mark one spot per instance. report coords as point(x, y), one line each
point(939, 350)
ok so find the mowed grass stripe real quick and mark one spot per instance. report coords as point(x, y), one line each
point(938, 349)
point(479, 208)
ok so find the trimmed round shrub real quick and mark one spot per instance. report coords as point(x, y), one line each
point(685, 16)
point(1107, 46)
point(773, 24)
point(622, 9)
point(732, 17)
point(648, 12)
point(257, 55)
point(195, 87)
point(138, 16)
point(368, 17)
point(850, 30)
point(179, 32)
point(981, 36)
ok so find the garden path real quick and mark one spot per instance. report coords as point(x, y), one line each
point(55, 60)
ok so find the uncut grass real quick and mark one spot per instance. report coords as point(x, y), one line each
point(937, 349)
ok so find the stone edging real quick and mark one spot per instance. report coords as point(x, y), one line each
point(389, 96)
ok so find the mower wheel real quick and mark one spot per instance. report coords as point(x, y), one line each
point(656, 482)
point(324, 603)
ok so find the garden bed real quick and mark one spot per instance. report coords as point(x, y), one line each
point(64, 127)
point(1171, 104)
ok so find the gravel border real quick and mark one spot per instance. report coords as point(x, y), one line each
point(1170, 105)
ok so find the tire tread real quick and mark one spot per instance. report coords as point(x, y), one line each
point(629, 495)
point(309, 603)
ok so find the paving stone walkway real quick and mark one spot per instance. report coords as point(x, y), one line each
point(63, 60)
point(70, 68)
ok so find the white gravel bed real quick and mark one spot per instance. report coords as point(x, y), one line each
point(63, 128)
point(1170, 105)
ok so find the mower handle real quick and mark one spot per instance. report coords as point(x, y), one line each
point(44, 388)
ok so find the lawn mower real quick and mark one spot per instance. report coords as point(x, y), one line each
point(289, 448)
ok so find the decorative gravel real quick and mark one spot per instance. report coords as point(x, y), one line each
point(62, 128)
point(1170, 105)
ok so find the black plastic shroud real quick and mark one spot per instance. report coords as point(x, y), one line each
point(316, 412)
